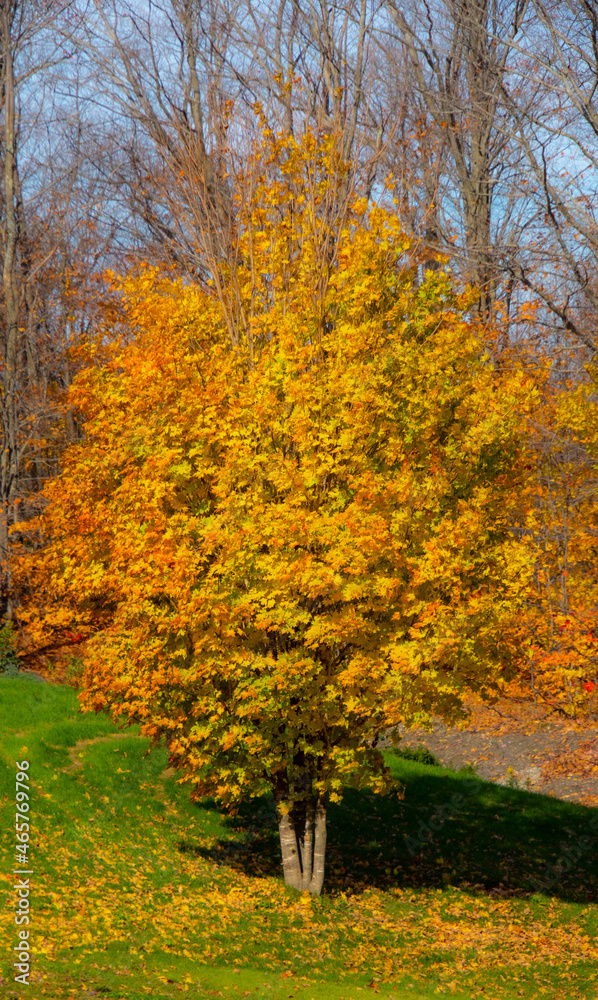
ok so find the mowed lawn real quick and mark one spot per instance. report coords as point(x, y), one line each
point(137, 892)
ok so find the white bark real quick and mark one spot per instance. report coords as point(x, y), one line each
point(290, 853)
point(303, 856)
point(317, 876)
point(307, 846)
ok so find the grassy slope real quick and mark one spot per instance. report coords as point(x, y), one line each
point(139, 893)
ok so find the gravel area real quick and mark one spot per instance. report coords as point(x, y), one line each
point(552, 758)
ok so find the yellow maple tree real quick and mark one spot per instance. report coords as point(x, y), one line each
point(288, 527)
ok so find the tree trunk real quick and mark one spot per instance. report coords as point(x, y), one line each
point(8, 487)
point(303, 844)
point(291, 864)
point(317, 875)
point(460, 53)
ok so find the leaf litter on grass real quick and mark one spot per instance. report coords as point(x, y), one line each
point(251, 919)
point(113, 886)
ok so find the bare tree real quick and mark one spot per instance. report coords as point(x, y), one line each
point(183, 80)
point(46, 225)
point(310, 63)
point(23, 32)
point(459, 53)
point(161, 82)
point(187, 87)
point(558, 260)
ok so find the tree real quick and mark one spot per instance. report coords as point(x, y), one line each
point(181, 80)
point(49, 246)
point(561, 521)
point(282, 545)
point(557, 261)
point(460, 53)
point(20, 26)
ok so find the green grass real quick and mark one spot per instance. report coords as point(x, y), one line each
point(138, 892)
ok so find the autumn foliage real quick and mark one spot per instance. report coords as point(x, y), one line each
point(560, 521)
point(282, 542)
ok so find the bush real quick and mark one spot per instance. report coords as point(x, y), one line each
point(74, 670)
point(9, 661)
point(420, 754)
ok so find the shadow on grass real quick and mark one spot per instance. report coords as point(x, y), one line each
point(450, 829)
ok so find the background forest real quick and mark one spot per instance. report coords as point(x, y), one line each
point(126, 138)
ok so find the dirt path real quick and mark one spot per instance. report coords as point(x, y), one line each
point(77, 762)
point(74, 752)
